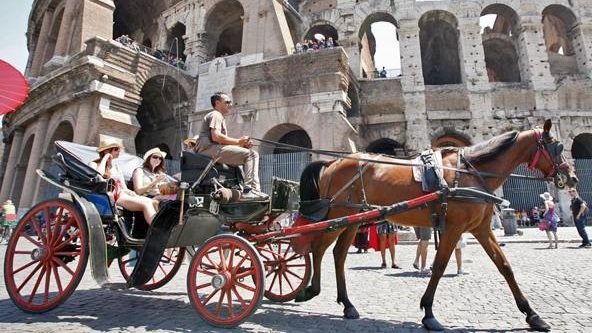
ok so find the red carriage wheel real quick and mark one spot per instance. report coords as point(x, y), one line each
point(226, 280)
point(46, 256)
point(169, 265)
point(287, 272)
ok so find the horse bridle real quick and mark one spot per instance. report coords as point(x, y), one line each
point(547, 147)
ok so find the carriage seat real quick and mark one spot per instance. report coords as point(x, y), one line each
point(193, 164)
point(78, 173)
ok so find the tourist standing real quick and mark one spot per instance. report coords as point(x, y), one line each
point(578, 210)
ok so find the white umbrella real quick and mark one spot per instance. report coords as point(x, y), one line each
point(319, 37)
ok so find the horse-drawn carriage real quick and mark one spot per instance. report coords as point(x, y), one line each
point(240, 251)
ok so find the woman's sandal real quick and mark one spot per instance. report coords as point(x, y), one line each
point(395, 266)
point(383, 265)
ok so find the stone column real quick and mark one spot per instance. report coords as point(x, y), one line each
point(15, 150)
point(65, 32)
point(413, 87)
point(41, 43)
point(31, 179)
point(475, 72)
point(582, 35)
point(533, 54)
point(535, 63)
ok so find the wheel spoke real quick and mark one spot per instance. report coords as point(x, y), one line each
point(70, 240)
point(199, 270)
point(63, 231)
point(211, 261)
point(56, 230)
point(24, 267)
point(244, 286)
point(39, 264)
point(294, 274)
point(229, 300)
point(37, 228)
point(287, 281)
point(245, 273)
point(47, 226)
point(57, 278)
point(34, 242)
point(34, 291)
point(47, 279)
point(220, 302)
point(222, 258)
point(205, 285)
point(209, 298)
point(273, 280)
point(63, 265)
point(239, 297)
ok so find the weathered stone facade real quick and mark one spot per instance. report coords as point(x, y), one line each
point(458, 85)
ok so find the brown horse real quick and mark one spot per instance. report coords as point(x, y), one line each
point(485, 166)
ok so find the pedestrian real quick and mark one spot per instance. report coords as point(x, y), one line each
point(361, 242)
point(579, 210)
point(9, 211)
point(215, 142)
point(549, 218)
point(423, 234)
point(383, 72)
point(387, 236)
point(496, 222)
point(462, 243)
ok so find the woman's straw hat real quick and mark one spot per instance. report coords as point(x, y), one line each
point(154, 151)
point(192, 140)
point(546, 196)
point(108, 144)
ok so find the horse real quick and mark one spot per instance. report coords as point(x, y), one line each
point(362, 179)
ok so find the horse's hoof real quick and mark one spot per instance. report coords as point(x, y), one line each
point(351, 313)
point(432, 324)
point(537, 324)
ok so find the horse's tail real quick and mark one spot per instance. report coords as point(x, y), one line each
point(309, 180)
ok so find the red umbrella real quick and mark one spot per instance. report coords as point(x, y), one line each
point(14, 88)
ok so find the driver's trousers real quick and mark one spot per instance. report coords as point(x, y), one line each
point(235, 155)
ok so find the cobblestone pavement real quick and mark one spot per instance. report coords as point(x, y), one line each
point(557, 283)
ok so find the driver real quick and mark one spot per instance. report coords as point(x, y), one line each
point(215, 142)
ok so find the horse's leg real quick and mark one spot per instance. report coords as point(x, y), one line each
point(339, 255)
point(447, 245)
point(319, 246)
point(489, 243)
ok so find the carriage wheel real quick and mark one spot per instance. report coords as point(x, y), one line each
point(167, 267)
point(287, 272)
point(226, 281)
point(46, 256)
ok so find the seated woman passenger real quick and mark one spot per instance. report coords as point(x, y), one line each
point(122, 196)
point(150, 177)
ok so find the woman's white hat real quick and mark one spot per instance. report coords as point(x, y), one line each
point(153, 151)
point(546, 196)
point(108, 144)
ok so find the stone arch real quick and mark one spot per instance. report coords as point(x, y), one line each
point(440, 57)
point(386, 146)
point(53, 36)
point(449, 137)
point(501, 60)
point(506, 22)
point(558, 22)
point(176, 41)
point(224, 28)
point(162, 115)
point(581, 147)
point(500, 43)
point(324, 28)
point(137, 18)
point(21, 171)
point(287, 133)
point(367, 41)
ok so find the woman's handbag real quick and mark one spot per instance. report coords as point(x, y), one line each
point(543, 225)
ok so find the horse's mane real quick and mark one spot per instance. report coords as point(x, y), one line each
point(484, 151)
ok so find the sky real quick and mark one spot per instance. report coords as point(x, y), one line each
point(14, 15)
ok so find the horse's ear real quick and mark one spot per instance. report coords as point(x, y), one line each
point(547, 126)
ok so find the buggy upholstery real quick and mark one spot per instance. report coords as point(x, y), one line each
point(192, 166)
point(78, 173)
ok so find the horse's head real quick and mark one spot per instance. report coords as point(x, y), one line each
point(549, 158)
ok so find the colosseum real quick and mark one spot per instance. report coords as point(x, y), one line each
point(142, 71)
